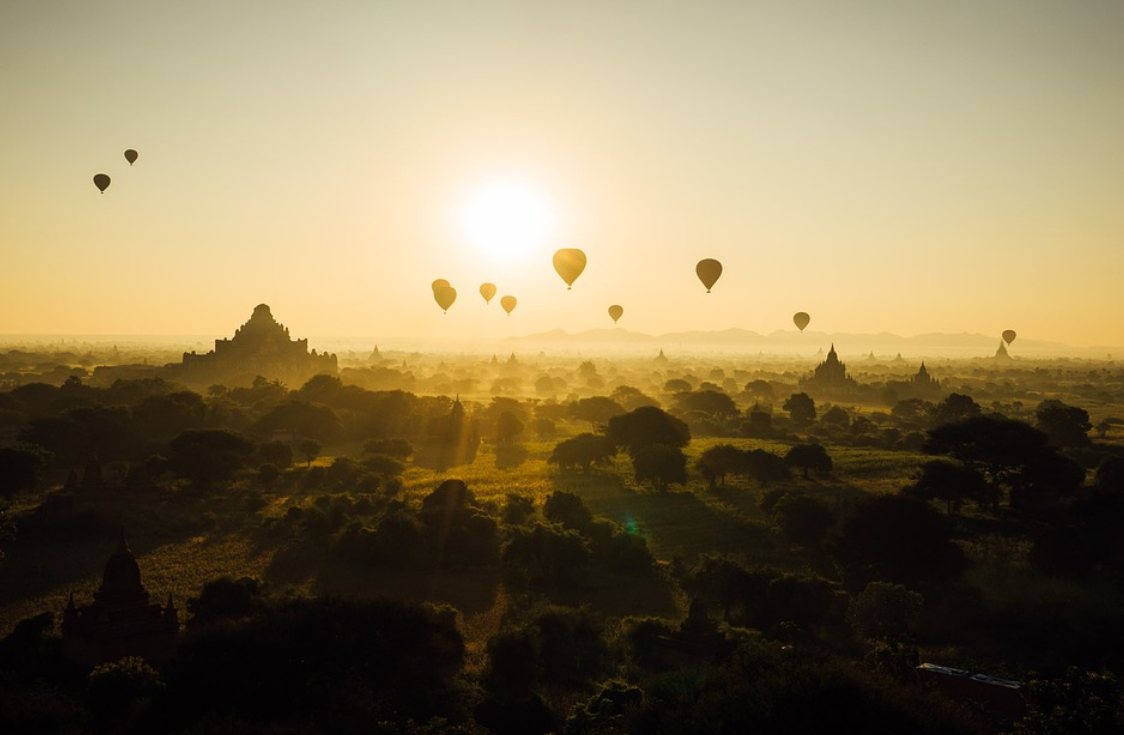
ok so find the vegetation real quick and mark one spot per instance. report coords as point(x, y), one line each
point(360, 554)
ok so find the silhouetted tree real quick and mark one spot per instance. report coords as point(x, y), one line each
point(226, 598)
point(583, 451)
point(647, 426)
point(895, 539)
point(300, 418)
point(887, 612)
point(1011, 455)
point(951, 482)
point(1067, 426)
point(718, 461)
point(955, 407)
point(309, 449)
point(596, 410)
point(631, 398)
point(22, 466)
point(803, 519)
point(809, 458)
point(508, 426)
point(208, 454)
point(660, 464)
point(711, 402)
point(801, 408)
point(569, 510)
point(765, 467)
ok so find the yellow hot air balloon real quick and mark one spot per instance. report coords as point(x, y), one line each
point(439, 283)
point(445, 296)
point(131, 156)
point(102, 182)
point(801, 319)
point(569, 262)
point(508, 303)
point(708, 271)
point(615, 311)
point(1009, 336)
point(488, 291)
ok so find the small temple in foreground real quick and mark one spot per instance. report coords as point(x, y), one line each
point(122, 620)
point(262, 347)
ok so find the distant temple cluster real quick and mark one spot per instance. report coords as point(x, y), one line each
point(122, 620)
point(261, 346)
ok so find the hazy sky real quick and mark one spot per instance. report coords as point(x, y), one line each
point(885, 166)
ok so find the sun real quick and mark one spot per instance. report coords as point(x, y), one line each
point(508, 218)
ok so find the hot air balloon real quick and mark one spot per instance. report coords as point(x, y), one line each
point(101, 181)
point(708, 271)
point(439, 283)
point(508, 303)
point(615, 311)
point(444, 296)
point(569, 262)
point(1009, 336)
point(488, 291)
point(131, 156)
point(801, 319)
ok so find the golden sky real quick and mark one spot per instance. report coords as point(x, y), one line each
point(894, 166)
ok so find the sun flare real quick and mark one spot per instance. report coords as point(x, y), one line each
point(507, 218)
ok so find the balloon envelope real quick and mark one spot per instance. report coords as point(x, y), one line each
point(801, 319)
point(488, 291)
point(1008, 335)
point(444, 296)
point(569, 262)
point(130, 156)
point(615, 311)
point(101, 181)
point(708, 271)
point(508, 303)
point(439, 283)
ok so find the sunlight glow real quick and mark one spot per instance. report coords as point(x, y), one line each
point(508, 218)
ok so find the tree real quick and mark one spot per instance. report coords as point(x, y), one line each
point(809, 457)
point(309, 449)
point(596, 410)
point(583, 451)
point(710, 402)
point(801, 408)
point(1011, 455)
point(208, 455)
point(1080, 703)
point(765, 467)
point(22, 466)
point(647, 426)
point(301, 419)
point(886, 612)
point(955, 407)
point(1067, 426)
point(508, 426)
point(895, 539)
point(803, 519)
point(760, 390)
point(718, 461)
point(836, 416)
point(660, 464)
point(631, 398)
point(951, 482)
point(569, 510)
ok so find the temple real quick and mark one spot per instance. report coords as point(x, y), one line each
point(122, 621)
point(262, 347)
point(830, 379)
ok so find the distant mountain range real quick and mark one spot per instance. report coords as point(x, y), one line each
point(849, 345)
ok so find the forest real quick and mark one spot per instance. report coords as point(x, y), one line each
point(430, 543)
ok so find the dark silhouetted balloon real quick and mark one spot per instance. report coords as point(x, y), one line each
point(439, 283)
point(508, 303)
point(801, 319)
point(445, 296)
point(131, 156)
point(1009, 335)
point(569, 262)
point(488, 291)
point(615, 311)
point(101, 181)
point(708, 271)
